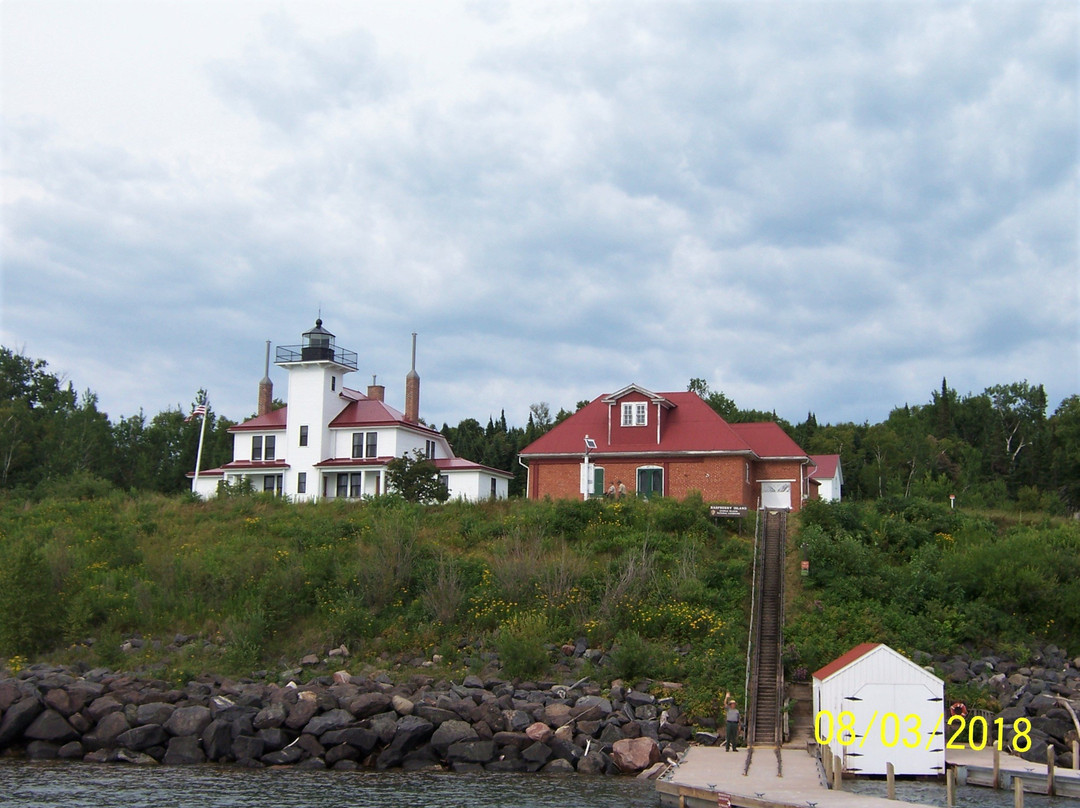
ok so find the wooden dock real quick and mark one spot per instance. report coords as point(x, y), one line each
point(976, 768)
point(793, 781)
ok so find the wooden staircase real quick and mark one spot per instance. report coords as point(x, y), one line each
point(767, 677)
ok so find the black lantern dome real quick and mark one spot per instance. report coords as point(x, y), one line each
point(318, 344)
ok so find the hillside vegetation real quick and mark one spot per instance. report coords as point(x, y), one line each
point(655, 585)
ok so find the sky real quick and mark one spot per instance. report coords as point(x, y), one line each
point(817, 207)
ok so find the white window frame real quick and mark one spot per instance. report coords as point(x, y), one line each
point(635, 413)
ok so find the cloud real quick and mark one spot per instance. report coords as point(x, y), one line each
point(818, 207)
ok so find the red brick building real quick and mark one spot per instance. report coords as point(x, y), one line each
point(667, 444)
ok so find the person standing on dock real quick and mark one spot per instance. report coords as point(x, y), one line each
point(731, 742)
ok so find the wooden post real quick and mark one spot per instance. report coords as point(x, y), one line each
point(1049, 770)
point(826, 758)
point(950, 787)
point(890, 781)
point(997, 766)
point(1018, 793)
point(837, 774)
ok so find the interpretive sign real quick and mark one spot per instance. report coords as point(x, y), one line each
point(727, 511)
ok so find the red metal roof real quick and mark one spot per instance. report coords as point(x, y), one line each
point(461, 464)
point(825, 466)
point(275, 419)
point(768, 440)
point(690, 425)
point(844, 660)
point(369, 412)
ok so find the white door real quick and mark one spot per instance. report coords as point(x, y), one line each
point(895, 723)
point(776, 495)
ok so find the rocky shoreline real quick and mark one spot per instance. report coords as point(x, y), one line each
point(340, 722)
point(1045, 690)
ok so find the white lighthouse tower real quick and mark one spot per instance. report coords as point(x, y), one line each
point(316, 369)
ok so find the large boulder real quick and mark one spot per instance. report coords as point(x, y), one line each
point(184, 750)
point(17, 718)
point(367, 705)
point(635, 754)
point(188, 720)
point(451, 732)
point(471, 752)
point(332, 720)
point(106, 732)
point(143, 737)
point(51, 727)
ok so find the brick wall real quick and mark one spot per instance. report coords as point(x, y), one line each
point(719, 479)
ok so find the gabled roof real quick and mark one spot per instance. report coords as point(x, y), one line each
point(654, 398)
point(844, 660)
point(824, 466)
point(769, 441)
point(275, 419)
point(366, 411)
point(461, 464)
point(688, 425)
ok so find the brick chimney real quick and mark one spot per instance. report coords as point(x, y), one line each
point(266, 387)
point(376, 392)
point(412, 389)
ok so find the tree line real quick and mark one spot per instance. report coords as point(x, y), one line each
point(987, 449)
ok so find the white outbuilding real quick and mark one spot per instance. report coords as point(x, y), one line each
point(874, 706)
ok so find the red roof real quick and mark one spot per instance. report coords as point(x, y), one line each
point(689, 425)
point(461, 464)
point(768, 440)
point(275, 419)
point(370, 412)
point(825, 466)
point(844, 660)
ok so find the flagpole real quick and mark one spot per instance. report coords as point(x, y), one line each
point(198, 454)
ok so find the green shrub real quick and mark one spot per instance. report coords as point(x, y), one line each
point(522, 646)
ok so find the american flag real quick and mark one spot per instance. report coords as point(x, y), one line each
point(199, 410)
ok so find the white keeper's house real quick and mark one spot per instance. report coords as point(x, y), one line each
point(332, 442)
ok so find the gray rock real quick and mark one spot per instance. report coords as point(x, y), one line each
point(217, 739)
point(451, 732)
point(471, 752)
point(558, 766)
point(52, 727)
point(282, 757)
point(106, 732)
point(248, 747)
point(271, 716)
point(17, 718)
point(188, 720)
point(184, 750)
point(135, 758)
point(71, 751)
point(332, 720)
point(143, 737)
point(367, 705)
point(155, 712)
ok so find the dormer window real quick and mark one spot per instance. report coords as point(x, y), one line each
point(635, 413)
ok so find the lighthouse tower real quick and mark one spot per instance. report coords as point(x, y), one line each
point(316, 369)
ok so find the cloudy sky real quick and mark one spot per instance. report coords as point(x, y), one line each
point(816, 206)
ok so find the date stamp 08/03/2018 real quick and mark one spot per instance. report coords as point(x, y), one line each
point(894, 730)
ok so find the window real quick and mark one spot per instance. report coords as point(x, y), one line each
point(494, 488)
point(445, 480)
point(301, 482)
point(272, 483)
point(357, 444)
point(303, 435)
point(333, 382)
point(635, 413)
point(256, 447)
point(650, 481)
point(356, 488)
point(270, 447)
point(429, 449)
point(371, 448)
point(343, 485)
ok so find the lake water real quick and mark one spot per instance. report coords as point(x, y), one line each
point(26, 784)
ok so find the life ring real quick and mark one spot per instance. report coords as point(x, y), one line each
point(958, 708)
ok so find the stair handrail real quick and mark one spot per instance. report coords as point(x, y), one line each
point(753, 600)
